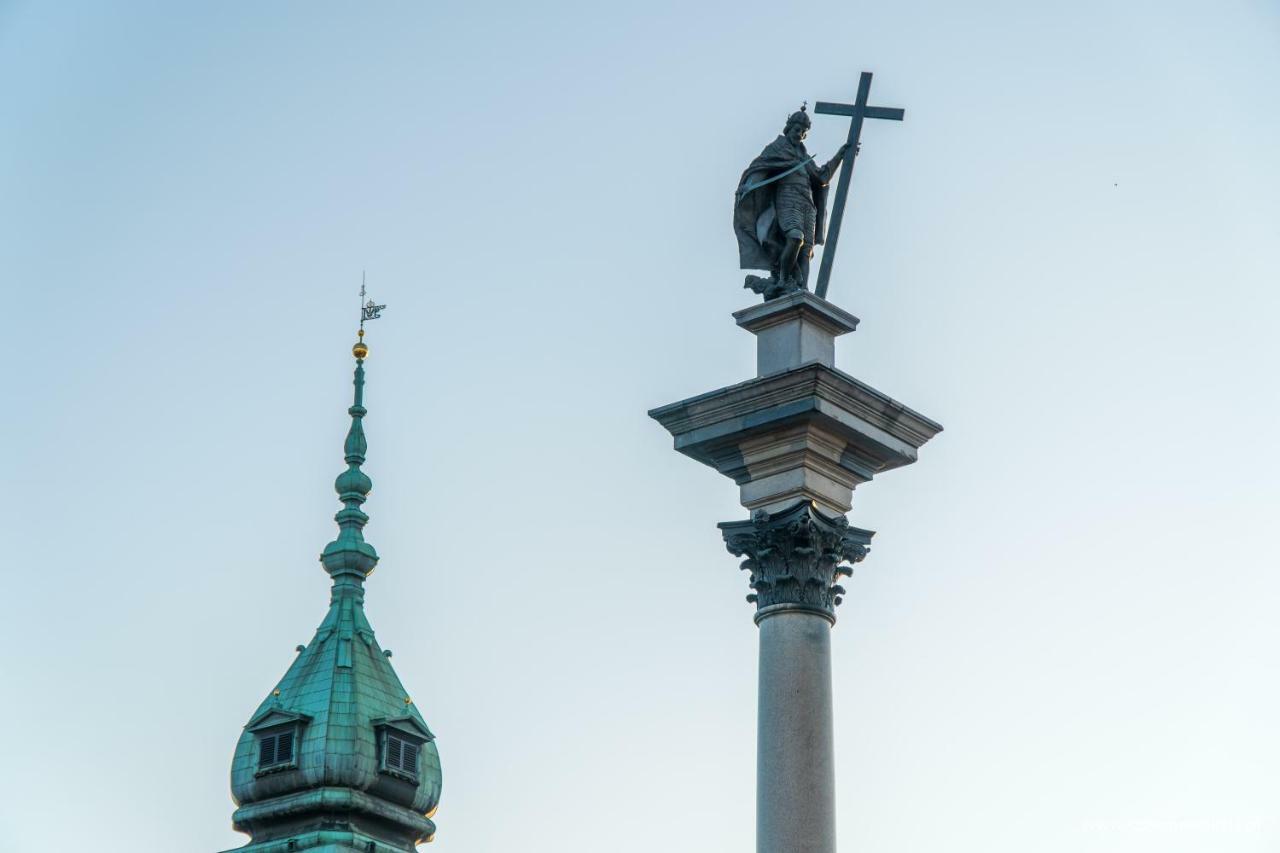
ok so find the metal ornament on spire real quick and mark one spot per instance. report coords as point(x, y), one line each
point(368, 311)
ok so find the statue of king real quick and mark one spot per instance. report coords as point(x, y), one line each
point(779, 211)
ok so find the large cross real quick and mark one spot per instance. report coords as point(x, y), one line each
point(857, 111)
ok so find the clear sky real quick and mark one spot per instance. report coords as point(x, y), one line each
point(1065, 638)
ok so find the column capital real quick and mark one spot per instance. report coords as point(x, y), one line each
point(796, 557)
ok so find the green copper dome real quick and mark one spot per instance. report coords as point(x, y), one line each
point(338, 758)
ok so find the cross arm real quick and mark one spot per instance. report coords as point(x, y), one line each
point(828, 108)
point(890, 113)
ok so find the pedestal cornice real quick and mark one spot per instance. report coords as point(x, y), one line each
point(837, 320)
point(811, 433)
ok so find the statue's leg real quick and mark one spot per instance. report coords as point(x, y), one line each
point(790, 255)
point(802, 266)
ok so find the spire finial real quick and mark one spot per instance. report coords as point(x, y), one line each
point(349, 554)
point(368, 311)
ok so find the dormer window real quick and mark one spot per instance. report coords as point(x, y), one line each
point(277, 735)
point(400, 742)
point(400, 754)
point(275, 750)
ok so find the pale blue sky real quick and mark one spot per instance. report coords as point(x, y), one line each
point(1065, 638)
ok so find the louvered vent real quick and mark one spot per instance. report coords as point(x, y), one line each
point(275, 750)
point(400, 754)
point(266, 751)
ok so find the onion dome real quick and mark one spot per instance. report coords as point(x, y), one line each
point(338, 757)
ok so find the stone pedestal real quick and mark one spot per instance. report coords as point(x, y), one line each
point(794, 330)
point(801, 430)
point(797, 440)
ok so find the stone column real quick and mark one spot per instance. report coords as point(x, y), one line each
point(795, 761)
point(795, 558)
point(797, 440)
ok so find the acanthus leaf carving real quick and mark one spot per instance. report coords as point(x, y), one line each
point(796, 556)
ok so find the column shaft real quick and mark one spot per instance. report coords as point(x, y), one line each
point(795, 762)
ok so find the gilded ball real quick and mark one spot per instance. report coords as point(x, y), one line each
point(360, 350)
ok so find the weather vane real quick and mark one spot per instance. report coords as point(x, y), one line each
point(368, 310)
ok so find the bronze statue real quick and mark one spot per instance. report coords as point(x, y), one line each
point(779, 211)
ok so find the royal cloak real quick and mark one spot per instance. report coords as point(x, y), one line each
point(755, 219)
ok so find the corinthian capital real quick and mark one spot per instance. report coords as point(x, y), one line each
point(796, 557)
